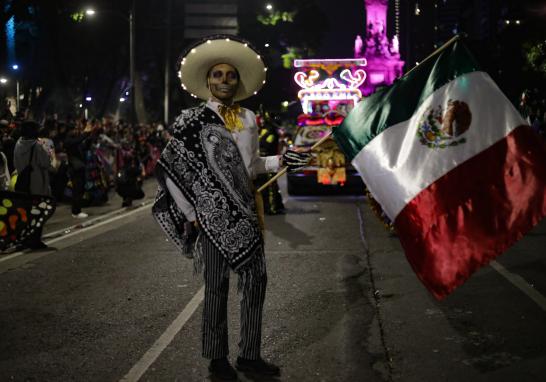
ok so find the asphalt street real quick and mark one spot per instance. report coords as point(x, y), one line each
point(116, 302)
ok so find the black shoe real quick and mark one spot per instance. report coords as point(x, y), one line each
point(42, 249)
point(222, 369)
point(258, 366)
point(37, 246)
point(127, 203)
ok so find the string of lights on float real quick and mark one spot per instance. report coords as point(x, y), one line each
point(329, 89)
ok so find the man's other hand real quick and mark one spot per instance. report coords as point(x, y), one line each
point(295, 160)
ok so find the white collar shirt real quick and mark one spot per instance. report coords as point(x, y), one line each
point(247, 141)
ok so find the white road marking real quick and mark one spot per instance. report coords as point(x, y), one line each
point(79, 231)
point(138, 370)
point(520, 283)
point(89, 222)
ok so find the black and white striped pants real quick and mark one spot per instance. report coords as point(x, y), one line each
point(215, 328)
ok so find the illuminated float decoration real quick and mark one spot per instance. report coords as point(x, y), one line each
point(329, 90)
point(334, 81)
point(329, 80)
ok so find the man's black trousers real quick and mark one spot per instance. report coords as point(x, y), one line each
point(214, 327)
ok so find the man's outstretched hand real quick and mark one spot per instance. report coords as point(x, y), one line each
point(296, 160)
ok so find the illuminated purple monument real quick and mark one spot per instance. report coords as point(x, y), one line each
point(383, 57)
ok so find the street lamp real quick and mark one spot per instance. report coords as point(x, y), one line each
point(15, 67)
point(269, 7)
point(88, 99)
point(131, 19)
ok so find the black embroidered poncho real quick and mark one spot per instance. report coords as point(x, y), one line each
point(204, 162)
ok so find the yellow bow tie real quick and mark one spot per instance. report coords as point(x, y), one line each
point(230, 114)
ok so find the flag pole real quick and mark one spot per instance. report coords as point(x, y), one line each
point(447, 44)
point(283, 171)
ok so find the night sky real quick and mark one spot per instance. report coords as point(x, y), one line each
point(346, 19)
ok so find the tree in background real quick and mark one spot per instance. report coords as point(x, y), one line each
point(535, 54)
point(290, 29)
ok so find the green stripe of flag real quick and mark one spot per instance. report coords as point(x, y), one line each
point(397, 103)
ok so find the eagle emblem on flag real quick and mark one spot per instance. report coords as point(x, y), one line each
point(437, 129)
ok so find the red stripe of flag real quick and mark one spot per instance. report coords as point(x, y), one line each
point(475, 212)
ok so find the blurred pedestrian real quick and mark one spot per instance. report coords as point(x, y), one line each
point(269, 145)
point(129, 182)
point(29, 152)
point(9, 138)
point(5, 176)
point(74, 147)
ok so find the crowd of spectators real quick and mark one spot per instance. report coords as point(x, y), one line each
point(89, 157)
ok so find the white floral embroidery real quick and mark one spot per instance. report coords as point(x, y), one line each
point(208, 166)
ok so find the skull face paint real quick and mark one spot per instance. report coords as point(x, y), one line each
point(223, 82)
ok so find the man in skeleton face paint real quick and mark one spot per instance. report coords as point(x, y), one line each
point(206, 201)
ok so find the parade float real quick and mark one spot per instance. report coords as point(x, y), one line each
point(329, 89)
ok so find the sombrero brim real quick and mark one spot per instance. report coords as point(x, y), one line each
point(199, 58)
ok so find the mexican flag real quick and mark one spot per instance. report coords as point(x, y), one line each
point(452, 163)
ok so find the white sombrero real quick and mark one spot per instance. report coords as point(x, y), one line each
point(196, 61)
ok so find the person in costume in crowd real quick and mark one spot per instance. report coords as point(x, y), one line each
point(9, 139)
point(74, 145)
point(269, 145)
point(206, 197)
point(5, 173)
point(129, 181)
point(95, 191)
point(29, 151)
point(5, 177)
point(22, 218)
